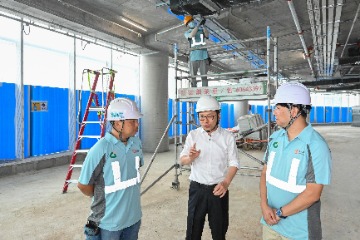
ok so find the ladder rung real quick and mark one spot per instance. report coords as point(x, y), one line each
point(72, 181)
point(82, 150)
point(89, 136)
point(76, 165)
point(96, 109)
point(92, 122)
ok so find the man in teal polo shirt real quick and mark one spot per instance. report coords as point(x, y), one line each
point(298, 165)
point(110, 175)
point(199, 58)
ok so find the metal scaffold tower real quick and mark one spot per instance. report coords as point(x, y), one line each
point(259, 89)
point(94, 106)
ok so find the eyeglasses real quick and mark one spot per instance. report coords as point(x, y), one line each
point(208, 117)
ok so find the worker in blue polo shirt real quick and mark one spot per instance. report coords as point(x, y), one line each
point(199, 58)
point(110, 175)
point(298, 165)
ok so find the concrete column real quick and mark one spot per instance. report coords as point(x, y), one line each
point(240, 109)
point(154, 101)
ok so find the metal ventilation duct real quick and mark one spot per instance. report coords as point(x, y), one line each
point(202, 7)
point(196, 7)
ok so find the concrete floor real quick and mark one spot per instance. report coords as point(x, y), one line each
point(33, 206)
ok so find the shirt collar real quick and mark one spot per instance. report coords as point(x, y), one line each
point(218, 130)
point(303, 135)
point(114, 140)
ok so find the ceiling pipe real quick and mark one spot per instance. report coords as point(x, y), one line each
point(333, 81)
point(324, 32)
point(300, 32)
point(324, 22)
point(342, 88)
point(338, 11)
point(329, 22)
point(351, 29)
point(314, 17)
point(320, 35)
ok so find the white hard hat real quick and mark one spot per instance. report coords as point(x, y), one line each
point(122, 109)
point(293, 92)
point(207, 103)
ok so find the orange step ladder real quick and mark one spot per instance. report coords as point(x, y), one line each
point(92, 105)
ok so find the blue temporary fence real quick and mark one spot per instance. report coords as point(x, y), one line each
point(47, 132)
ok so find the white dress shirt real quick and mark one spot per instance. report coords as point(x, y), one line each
point(218, 152)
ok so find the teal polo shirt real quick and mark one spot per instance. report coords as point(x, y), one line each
point(113, 169)
point(290, 166)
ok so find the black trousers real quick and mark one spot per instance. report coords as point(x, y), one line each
point(202, 201)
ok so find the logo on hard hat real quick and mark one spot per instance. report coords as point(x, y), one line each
point(117, 114)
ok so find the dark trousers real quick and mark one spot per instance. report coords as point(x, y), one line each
point(202, 201)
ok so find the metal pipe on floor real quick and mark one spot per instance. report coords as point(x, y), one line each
point(157, 148)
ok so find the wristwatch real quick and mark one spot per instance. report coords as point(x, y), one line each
point(279, 213)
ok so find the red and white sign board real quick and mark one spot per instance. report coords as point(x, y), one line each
point(240, 89)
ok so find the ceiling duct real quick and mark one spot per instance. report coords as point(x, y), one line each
point(202, 7)
point(196, 7)
point(355, 60)
point(230, 3)
point(333, 81)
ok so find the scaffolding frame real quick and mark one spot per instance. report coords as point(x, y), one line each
point(178, 139)
point(176, 121)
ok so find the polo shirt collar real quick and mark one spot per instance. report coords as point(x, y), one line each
point(109, 137)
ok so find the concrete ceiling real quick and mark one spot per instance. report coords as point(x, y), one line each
point(317, 39)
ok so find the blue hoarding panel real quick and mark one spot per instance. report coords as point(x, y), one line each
point(170, 114)
point(7, 123)
point(320, 114)
point(183, 118)
point(336, 114)
point(260, 110)
point(49, 132)
point(27, 111)
point(253, 109)
point(328, 114)
point(312, 115)
point(224, 120)
point(344, 114)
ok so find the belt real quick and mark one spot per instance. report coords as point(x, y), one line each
point(202, 185)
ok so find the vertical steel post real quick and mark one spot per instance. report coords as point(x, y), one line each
point(276, 70)
point(19, 101)
point(268, 38)
point(175, 183)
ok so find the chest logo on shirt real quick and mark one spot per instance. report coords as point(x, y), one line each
point(297, 151)
point(112, 155)
point(275, 144)
point(135, 150)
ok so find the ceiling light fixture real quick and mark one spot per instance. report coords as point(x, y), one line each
point(133, 24)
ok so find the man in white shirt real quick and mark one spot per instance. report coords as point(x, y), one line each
point(212, 153)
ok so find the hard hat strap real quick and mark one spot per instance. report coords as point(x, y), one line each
point(120, 131)
point(292, 119)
